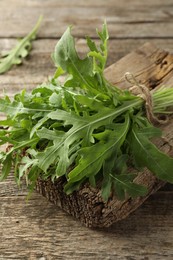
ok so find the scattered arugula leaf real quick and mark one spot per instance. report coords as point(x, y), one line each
point(84, 129)
point(20, 51)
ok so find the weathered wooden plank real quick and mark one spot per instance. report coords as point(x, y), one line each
point(9, 188)
point(38, 230)
point(39, 66)
point(83, 3)
point(115, 11)
point(118, 48)
point(116, 30)
point(159, 69)
point(125, 21)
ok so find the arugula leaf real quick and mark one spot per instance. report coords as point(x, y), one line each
point(65, 57)
point(82, 127)
point(20, 51)
point(25, 164)
point(85, 73)
point(90, 165)
point(120, 180)
point(99, 54)
point(146, 154)
point(123, 183)
point(7, 163)
point(106, 188)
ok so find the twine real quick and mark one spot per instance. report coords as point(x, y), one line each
point(146, 95)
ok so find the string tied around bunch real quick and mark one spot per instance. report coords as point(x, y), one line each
point(146, 95)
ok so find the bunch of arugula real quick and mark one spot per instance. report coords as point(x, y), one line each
point(84, 129)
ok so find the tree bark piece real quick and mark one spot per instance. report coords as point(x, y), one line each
point(151, 66)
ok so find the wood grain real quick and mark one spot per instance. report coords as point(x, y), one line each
point(38, 230)
point(125, 20)
point(39, 66)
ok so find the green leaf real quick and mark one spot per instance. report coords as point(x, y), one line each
point(123, 183)
point(38, 125)
point(99, 56)
point(66, 57)
point(20, 51)
point(106, 187)
point(56, 99)
point(81, 71)
point(146, 154)
point(91, 44)
point(58, 72)
point(25, 165)
point(7, 122)
point(16, 108)
point(53, 135)
point(7, 164)
point(150, 132)
point(81, 127)
point(2, 156)
point(90, 165)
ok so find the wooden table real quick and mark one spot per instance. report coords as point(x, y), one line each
point(36, 229)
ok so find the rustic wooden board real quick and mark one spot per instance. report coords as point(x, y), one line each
point(137, 20)
point(50, 224)
point(38, 230)
point(38, 66)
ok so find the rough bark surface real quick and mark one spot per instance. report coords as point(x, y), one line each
point(151, 66)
